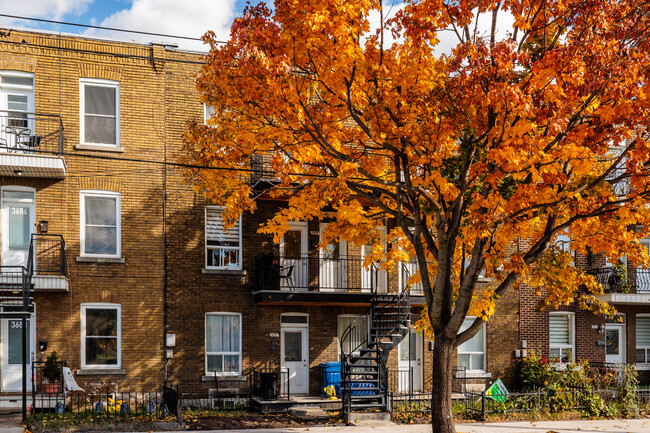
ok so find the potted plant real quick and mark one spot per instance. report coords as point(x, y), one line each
point(51, 374)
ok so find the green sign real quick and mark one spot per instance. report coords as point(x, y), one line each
point(497, 391)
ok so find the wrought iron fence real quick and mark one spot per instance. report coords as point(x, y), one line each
point(49, 254)
point(108, 405)
point(614, 280)
point(27, 132)
point(316, 273)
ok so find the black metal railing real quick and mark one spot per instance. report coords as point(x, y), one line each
point(30, 133)
point(270, 383)
point(315, 274)
point(15, 289)
point(616, 280)
point(49, 252)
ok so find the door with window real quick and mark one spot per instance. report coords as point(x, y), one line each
point(16, 110)
point(294, 344)
point(410, 363)
point(12, 361)
point(333, 265)
point(373, 277)
point(18, 223)
point(615, 343)
point(293, 258)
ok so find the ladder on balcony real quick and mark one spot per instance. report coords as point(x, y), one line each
point(364, 375)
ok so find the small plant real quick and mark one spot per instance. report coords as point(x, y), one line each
point(52, 370)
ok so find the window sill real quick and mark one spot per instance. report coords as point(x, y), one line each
point(101, 372)
point(99, 148)
point(224, 378)
point(81, 259)
point(473, 375)
point(223, 271)
point(644, 367)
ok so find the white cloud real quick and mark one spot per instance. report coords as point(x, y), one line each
point(190, 18)
point(49, 9)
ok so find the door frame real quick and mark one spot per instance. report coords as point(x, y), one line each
point(300, 273)
point(334, 267)
point(4, 322)
point(4, 218)
point(417, 363)
point(622, 341)
point(304, 329)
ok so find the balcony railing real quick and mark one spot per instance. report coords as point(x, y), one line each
point(316, 274)
point(30, 133)
point(615, 281)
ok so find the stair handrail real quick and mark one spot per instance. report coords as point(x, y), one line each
point(28, 273)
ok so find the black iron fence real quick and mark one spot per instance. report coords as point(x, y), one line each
point(27, 132)
point(108, 405)
point(618, 280)
point(314, 273)
point(49, 254)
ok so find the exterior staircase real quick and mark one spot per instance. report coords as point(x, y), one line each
point(363, 365)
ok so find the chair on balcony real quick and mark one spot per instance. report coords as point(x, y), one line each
point(286, 276)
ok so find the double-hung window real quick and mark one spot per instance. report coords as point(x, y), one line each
point(99, 102)
point(642, 339)
point(562, 336)
point(223, 343)
point(100, 224)
point(101, 336)
point(222, 246)
point(471, 354)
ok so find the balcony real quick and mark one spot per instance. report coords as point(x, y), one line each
point(633, 288)
point(335, 281)
point(317, 279)
point(49, 263)
point(31, 145)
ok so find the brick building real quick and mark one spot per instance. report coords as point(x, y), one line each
point(136, 281)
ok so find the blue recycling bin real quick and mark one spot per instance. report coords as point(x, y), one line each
point(331, 376)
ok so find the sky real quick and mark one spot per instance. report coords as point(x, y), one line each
point(190, 18)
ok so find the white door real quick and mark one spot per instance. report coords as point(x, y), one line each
point(375, 276)
point(12, 343)
point(293, 258)
point(615, 343)
point(642, 277)
point(410, 363)
point(16, 124)
point(333, 265)
point(18, 223)
point(295, 360)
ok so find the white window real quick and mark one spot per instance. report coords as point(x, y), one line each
point(101, 336)
point(562, 336)
point(471, 354)
point(222, 247)
point(358, 336)
point(223, 343)
point(208, 111)
point(642, 339)
point(100, 224)
point(99, 106)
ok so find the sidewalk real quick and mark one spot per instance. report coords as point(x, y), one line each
point(585, 426)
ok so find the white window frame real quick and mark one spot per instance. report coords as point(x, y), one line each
point(99, 306)
point(641, 365)
point(474, 353)
point(208, 111)
point(572, 334)
point(209, 248)
point(93, 82)
point(82, 221)
point(205, 344)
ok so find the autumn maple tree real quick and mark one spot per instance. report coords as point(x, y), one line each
point(517, 135)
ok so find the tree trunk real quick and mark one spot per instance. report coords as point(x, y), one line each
point(442, 419)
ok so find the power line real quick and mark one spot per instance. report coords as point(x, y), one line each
point(67, 23)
